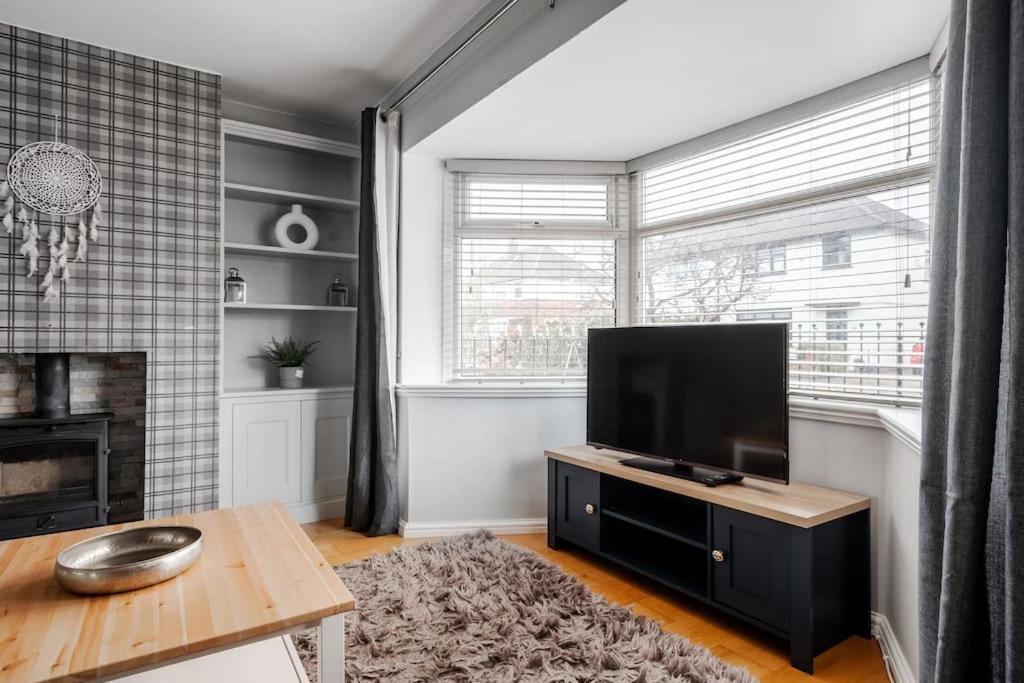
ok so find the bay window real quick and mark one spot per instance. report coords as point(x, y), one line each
point(841, 201)
point(534, 262)
point(823, 223)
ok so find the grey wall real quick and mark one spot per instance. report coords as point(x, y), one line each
point(152, 281)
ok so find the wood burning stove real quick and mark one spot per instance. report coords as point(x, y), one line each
point(53, 474)
point(53, 466)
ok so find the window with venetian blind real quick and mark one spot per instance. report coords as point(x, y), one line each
point(534, 263)
point(823, 222)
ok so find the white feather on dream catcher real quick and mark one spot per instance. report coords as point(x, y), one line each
point(57, 180)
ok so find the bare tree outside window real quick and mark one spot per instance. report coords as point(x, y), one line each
point(700, 283)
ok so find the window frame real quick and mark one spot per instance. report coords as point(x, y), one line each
point(893, 180)
point(767, 254)
point(837, 324)
point(608, 222)
point(838, 243)
point(772, 122)
point(456, 227)
point(764, 315)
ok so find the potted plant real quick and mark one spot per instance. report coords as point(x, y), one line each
point(288, 356)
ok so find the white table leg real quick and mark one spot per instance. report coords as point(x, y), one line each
point(331, 656)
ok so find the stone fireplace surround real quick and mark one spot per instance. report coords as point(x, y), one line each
point(100, 382)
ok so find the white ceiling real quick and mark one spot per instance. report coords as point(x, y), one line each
point(323, 59)
point(652, 73)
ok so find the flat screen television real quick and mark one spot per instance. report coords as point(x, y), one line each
point(693, 397)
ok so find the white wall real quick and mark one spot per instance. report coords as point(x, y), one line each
point(903, 465)
point(481, 460)
point(420, 292)
point(849, 458)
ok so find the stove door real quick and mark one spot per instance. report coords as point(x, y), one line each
point(51, 482)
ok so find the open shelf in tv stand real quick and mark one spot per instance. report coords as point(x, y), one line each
point(792, 560)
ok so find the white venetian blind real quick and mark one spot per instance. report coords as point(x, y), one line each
point(875, 136)
point(534, 262)
point(490, 199)
point(822, 223)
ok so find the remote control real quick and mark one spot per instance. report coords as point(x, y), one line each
point(719, 479)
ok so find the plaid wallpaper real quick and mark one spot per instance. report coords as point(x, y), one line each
point(152, 281)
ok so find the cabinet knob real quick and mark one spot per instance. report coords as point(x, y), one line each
point(588, 508)
point(718, 555)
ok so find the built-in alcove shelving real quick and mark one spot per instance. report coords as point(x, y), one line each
point(266, 171)
point(266, 194)
point(263, 250)
point(290, 307)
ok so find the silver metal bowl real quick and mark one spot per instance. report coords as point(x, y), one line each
point(127, 560)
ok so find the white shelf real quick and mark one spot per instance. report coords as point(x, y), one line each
point(287, 138)
point(288, 307)
point(261, 250)
point(266, 194)
point(293, 282)
point(259, 392)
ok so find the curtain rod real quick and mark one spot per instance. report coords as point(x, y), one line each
point(473, 36)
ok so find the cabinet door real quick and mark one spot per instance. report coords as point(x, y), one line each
point(578, 505)
point(266, 452)
point(751, 573)
point(326, 425)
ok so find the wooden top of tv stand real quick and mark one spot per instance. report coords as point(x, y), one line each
point(801, 505)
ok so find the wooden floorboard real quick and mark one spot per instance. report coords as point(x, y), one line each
point(853, 661)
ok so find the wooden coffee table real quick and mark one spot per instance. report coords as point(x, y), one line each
point(259, 577)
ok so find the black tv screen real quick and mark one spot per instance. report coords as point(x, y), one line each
point(711, 396)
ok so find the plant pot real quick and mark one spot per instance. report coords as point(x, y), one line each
point(291, 378)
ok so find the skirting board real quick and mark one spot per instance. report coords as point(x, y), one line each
point(306, 513)
point(895, 661)
point(496, 526)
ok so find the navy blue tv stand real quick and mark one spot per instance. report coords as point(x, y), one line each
point(792, 560)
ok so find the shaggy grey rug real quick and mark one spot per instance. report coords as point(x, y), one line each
point(474, 608)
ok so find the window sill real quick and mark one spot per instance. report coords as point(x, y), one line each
point(494, 390)
point(903, 423)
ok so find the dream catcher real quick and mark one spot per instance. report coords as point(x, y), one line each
point(59, 181)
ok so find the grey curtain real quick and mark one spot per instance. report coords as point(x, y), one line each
point(972, 476)
point(372, 501)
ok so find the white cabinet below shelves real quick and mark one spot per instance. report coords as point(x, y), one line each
point(288, 448)
point(266, 444)
point(327, 424)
